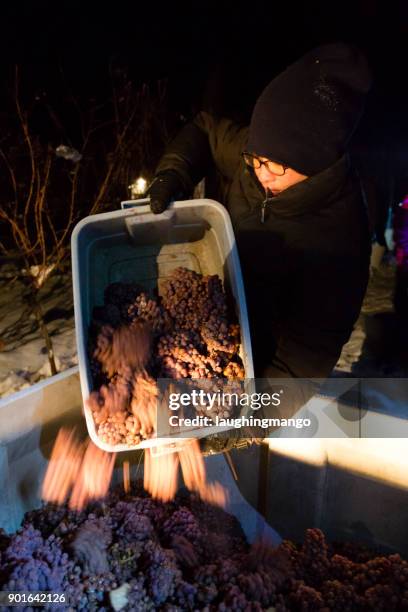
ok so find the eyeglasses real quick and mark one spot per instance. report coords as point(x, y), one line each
point(254, 162)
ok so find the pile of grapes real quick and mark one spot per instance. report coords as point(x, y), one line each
point(186, 333)
point(130, 552)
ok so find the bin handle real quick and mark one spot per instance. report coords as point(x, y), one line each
point(125, 204)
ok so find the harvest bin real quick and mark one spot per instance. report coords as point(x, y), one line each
point(134, 245)
point(322, 489)
point(29, 423)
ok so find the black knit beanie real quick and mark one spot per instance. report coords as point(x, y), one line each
point(306, 116)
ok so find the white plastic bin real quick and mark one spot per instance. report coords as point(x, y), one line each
point(134, 245)
point(29, 423)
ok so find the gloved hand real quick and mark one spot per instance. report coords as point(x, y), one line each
point(166, 187)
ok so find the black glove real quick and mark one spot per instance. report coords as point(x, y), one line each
point(165, 188)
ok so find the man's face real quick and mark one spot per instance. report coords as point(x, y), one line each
point(275, 177)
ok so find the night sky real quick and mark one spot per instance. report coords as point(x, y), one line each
point(208, 51)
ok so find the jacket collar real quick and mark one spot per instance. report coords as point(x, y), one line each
point(313, 193)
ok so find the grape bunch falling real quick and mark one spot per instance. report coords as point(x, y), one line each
point(131, 552)
point(135, 338)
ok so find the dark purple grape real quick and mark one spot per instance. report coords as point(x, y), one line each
point(138, 597)
point(121, 294)
point(90, 545)
point(163, 572)
point(186, 555)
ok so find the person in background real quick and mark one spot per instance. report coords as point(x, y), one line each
point(296, 207)
point(401, 256)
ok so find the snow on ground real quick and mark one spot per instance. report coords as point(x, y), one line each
point(377, 346)
point(23, 356)
point(372, 350)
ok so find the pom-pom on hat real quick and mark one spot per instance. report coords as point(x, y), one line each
point(306, 116)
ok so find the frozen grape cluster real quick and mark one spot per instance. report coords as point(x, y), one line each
point(149, 310)
point(192, 299)
point(135, 337)
point(164, 556)
point(182, 354)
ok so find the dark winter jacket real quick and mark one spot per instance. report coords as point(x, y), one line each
point(305, 268)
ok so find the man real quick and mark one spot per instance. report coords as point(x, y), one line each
point(295, 204)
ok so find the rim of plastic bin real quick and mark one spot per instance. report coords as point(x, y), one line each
point(79, 322)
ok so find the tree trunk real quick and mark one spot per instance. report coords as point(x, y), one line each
point(36, 306)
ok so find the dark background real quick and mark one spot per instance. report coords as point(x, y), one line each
point(239, 45)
